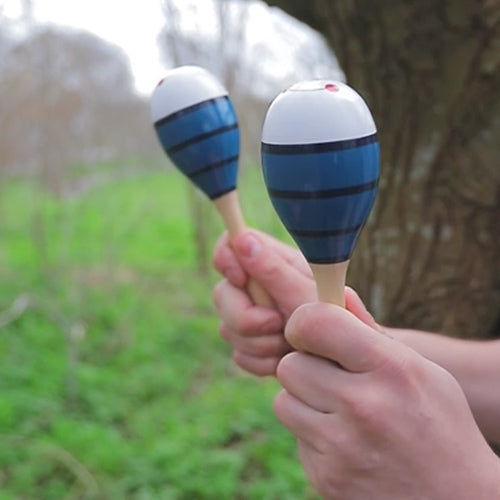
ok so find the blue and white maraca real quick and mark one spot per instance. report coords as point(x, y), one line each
point(320, 157)
point(197, 127)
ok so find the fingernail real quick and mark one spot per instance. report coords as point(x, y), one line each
point(249, 246)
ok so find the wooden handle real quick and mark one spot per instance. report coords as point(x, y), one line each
point(330, 282)
point(229, 207)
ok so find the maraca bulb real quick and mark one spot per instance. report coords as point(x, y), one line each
point(198, 129)
point(320, 158)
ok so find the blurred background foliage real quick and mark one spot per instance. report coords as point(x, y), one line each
point(114, 383)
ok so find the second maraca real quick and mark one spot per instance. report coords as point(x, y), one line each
point(320, 158)
point(196, 124)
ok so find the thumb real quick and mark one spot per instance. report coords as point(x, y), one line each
point(333, 333)
point(286, 284)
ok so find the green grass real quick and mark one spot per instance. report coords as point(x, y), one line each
point(114, 383)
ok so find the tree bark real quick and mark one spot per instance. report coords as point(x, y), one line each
point(429, 256)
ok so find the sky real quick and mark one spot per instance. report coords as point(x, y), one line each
point(134, 25)
point(131, 24)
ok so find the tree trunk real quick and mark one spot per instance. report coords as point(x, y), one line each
point(429, 256)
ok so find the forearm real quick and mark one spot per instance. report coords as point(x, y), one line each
point(476, 366)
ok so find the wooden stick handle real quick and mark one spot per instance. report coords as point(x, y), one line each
point(229, 208)
point(330, 282)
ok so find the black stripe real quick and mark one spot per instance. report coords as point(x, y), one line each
point(329, 260)
point(323, 193)
point(320, 147)
point(213, 166)
point(304, 233)
point(201, 137)
point(221, 193)
point(189, 109)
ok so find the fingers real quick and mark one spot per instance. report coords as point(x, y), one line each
point(239, 314)
point(262, 346)
point(277, 269)
point(301, 420)
point(290, 254)
point(314, 381)
point(256, 365)
point(333, 333)
point(225, 261)
point(255, 333)
point(280, 269)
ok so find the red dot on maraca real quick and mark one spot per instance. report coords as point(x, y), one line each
point(331, 87)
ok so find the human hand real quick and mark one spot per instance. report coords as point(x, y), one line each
point(255, 332)
point(376, 420)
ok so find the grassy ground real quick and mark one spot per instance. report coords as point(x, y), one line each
point(113, 381)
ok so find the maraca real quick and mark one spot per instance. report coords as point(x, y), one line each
point(320, 157)
point(197, 127)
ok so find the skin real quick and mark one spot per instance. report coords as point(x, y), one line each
point(376, 411)
point(256, 333)
point(374, 419)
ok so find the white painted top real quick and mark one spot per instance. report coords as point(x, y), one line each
point(317, 111)
point(183, 87)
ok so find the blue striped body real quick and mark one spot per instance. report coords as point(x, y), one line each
point(323, 193)
point(203, 142)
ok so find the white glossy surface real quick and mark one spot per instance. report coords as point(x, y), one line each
point(317, 111)
point(182, 87)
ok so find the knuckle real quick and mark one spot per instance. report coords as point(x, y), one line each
point(368, 406)
point(218, 260)
point(267, 367)
point(275, 346)
point(245, 325)
point(341, 442)
point(225, 331)
point(241, 360)
point(217, 294)
point(329, 482)
point(368, 410)
point(219, 257)
point(272, 269)
point(272, 324)
point(406, 374)
point(256, 348)
point(261, 348)
point(256, 366)
point(397, 384)
point(280, 405)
